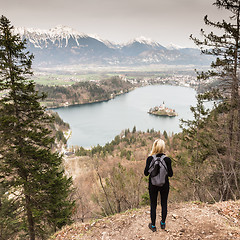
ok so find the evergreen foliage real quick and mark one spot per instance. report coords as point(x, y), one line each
point(28, 167)
point(195, 139)
point(215, 136)
point(9, 215)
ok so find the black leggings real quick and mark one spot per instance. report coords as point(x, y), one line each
point(153, 192)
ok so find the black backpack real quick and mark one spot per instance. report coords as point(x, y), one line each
point(158, 170)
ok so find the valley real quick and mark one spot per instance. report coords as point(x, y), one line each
point(71, 88)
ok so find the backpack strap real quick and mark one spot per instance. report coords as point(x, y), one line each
point(160, 159)
point(153, 161)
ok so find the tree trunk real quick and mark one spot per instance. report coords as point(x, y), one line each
point(105, 192)
point(30, 218)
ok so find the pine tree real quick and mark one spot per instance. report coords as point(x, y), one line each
point(226, 48)
point(28, 167)
point(195, 140)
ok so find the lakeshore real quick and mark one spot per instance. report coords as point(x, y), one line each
point(93, 91)
point(99, 123)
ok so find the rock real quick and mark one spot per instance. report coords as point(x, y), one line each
point(93, 224)
point(175, 216)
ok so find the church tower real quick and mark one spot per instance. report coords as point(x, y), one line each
point(163, 105)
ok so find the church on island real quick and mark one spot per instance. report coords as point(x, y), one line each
point(162, 110)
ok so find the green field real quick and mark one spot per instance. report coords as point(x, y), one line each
point(68, 79)
point(70, 76)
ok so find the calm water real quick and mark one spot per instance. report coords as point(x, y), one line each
point(99, 123)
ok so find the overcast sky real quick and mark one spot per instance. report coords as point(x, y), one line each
point(165, 21)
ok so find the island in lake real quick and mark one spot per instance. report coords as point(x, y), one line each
point(162, 110)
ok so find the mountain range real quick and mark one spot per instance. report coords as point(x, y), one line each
point(63, 45)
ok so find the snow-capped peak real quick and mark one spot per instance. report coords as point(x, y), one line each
point(65, 30)
point(24, 31)
point(108, 43)
point(59, 35)
point(145, 40)
point(173, 46)
point(19, 30)
point(57, 31)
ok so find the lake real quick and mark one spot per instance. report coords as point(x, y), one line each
point(99, 123)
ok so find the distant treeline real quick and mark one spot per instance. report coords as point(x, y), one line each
point(84, 92)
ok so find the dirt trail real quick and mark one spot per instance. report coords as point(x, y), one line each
point(185, 221)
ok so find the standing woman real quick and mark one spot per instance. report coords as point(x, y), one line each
point(158, 150)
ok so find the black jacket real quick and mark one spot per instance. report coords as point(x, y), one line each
point(168, 163)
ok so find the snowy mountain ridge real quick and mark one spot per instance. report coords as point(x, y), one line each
point(61, 31)
point(173, 46)
point(64, 45)
point(144, 40)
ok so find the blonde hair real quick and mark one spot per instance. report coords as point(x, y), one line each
point(158, 147)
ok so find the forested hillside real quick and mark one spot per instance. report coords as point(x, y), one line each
point(109, 180)
point(59, 130)
point(84, 92)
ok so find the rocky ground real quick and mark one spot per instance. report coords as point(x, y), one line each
point(185, 221)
